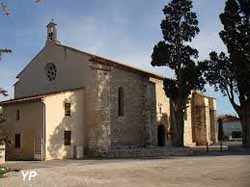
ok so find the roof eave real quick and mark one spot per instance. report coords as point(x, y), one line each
point(109, 61)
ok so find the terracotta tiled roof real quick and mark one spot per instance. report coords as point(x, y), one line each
point(35, 97)
point(20, 100)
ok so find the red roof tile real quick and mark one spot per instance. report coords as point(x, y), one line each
point(35, 97)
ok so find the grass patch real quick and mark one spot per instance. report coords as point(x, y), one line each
point(3, 171)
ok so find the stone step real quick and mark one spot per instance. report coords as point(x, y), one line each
point(149, 153)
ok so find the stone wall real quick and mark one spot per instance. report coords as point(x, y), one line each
point(162, 106)
point(99, 110)
point(203, 119)
point(200, 106)
point(149, 114)
point(137, 126)
point(188, 125)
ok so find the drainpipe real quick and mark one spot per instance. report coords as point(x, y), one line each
point(43, 156)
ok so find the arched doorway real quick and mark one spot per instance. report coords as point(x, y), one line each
point(161, 135)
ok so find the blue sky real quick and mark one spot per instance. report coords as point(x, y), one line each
point(122, 30)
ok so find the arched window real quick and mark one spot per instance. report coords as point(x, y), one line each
point(18, 115)
point(120, 101)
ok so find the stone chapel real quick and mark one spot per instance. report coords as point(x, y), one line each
point(71, 104)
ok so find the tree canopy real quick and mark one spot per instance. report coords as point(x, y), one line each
point(230, 73)
point(179, 27)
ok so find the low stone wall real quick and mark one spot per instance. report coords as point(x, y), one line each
point(151, 152)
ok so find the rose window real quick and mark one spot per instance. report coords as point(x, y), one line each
point(51, 71)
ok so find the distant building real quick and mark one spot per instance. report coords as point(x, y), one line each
point(232, 127)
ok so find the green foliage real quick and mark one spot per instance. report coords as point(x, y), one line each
point(3, 171)
point(219, 73)
point(236, 36)
point(179, 27)
point(231, 73)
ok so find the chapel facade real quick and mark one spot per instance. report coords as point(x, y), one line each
point(72, 104)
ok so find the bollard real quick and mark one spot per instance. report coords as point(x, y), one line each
point(221, 146)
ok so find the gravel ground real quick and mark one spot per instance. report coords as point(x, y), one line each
point(198, 171)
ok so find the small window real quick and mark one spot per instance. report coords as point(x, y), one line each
point(18, 115)
point(67, 109)
point(120, 102)
point(51, 35)
point(67, 137)
point(17, 141)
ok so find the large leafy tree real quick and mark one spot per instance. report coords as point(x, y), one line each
point(231, 73)
point(179, 27)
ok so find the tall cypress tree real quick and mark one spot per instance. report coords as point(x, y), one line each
point(231, 73)
point(179, 27)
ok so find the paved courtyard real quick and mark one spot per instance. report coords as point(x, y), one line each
point(172, 171)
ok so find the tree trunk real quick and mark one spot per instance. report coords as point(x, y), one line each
point(177, 127)
point(245, 124)
point(180, 129)
point(173, 129)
